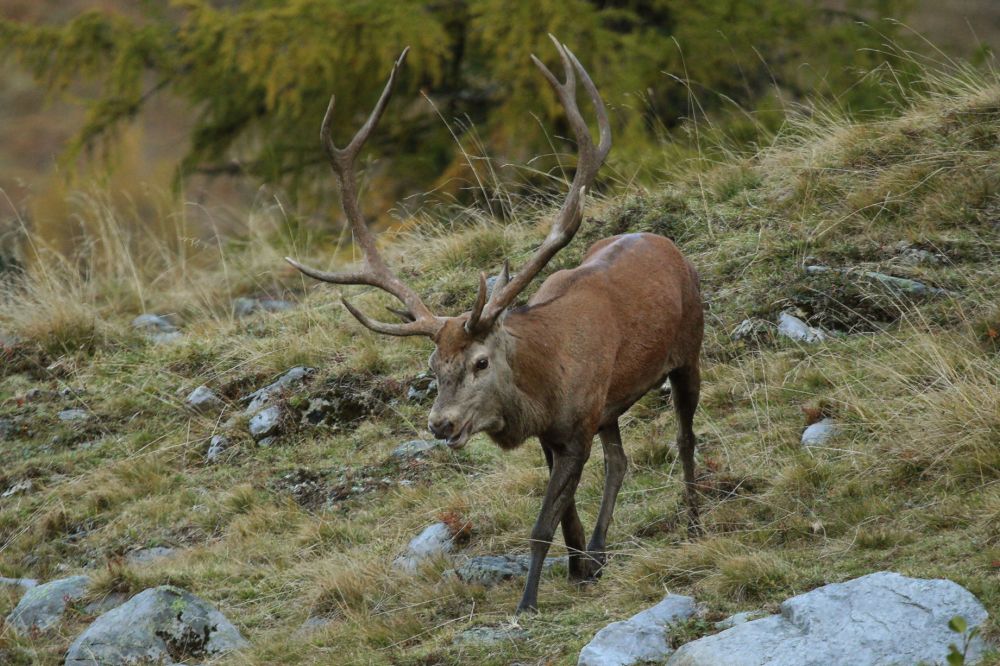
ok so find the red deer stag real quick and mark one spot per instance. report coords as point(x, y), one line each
point(565, 366)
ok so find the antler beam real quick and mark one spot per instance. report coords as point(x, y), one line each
point(567, 221)
point(374, 272)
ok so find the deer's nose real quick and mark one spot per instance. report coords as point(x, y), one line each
point(441, 427)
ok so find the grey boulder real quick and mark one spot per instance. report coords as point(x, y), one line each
point(641, 638)
point(162, 625)
point(216, 446)
point(881, 618)
point(42, 606)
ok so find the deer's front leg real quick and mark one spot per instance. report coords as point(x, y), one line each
point(566, 471)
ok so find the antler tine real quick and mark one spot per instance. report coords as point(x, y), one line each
point(375, 272)
point(570, 215)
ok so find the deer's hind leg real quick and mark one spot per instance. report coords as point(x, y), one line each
point(685, 385)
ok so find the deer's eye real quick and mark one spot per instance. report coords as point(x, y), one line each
point(482, 364)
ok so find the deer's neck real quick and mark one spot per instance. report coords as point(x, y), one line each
point(532, 383)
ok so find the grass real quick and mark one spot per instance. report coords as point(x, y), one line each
point(911, 484)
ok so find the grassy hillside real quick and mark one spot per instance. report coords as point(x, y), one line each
point(309, 526)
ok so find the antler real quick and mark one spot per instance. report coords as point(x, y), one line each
point(375, 272)
point(485, 313)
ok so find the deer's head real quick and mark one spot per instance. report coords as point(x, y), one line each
point(472, 353)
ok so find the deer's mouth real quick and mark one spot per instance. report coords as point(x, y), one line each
point(459, 439)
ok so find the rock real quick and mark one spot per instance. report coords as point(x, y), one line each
point(739, 618)
point(24, 583)
point(152, 323)
point(162, 625)
point(317, 411)
point(435, 540)
point(216, 446)
point(73, 415)
point(794, 328)
point(914, 256)
point(244, 307)
point(267, 441)
point(261, 397)
point(641, 638)
point(34, 395)
point(157, 328)
point(882, 618)
point(266, 422)
point(489, 570)
point(312, 624)
point(18, 488)
point(490, 635)
point(815, 270)
point(415, 448)
point(905, 285)
point(147, 555)
point(818, 433)
point(204, 400)
point(42, 606)
point(423, 387)
point(752, 330)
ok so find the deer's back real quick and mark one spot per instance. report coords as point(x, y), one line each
point(627, 315)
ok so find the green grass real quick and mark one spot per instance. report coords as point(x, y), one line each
point(912, 484)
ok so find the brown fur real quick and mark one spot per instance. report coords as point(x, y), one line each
point(565, 367)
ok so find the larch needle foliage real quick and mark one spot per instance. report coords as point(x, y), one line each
point(257, 74)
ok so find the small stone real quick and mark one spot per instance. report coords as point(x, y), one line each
point(70, 392)
point(34, 395)
point(267, 442)
point(42, 606)
point(415, 448)
point(905, 285)
point(261, 397)
point(794, 328)
point(816, 270)
point(73, 415)
point(244, 307)
point(489, 570)
point(423, 387)
point(640, 639)
point(216, 446)
point(204, 400)
point(313, 624)
point(316, 411)
point(434, 541)
point(147, 555)
point(818, 433)
point(740, 618)
point(266, 422)
point(18, 488)
point(157, 328)
point(153, 627)
point(752, 330)
point(153, 323)
point(490, 635)
point(23, 583)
